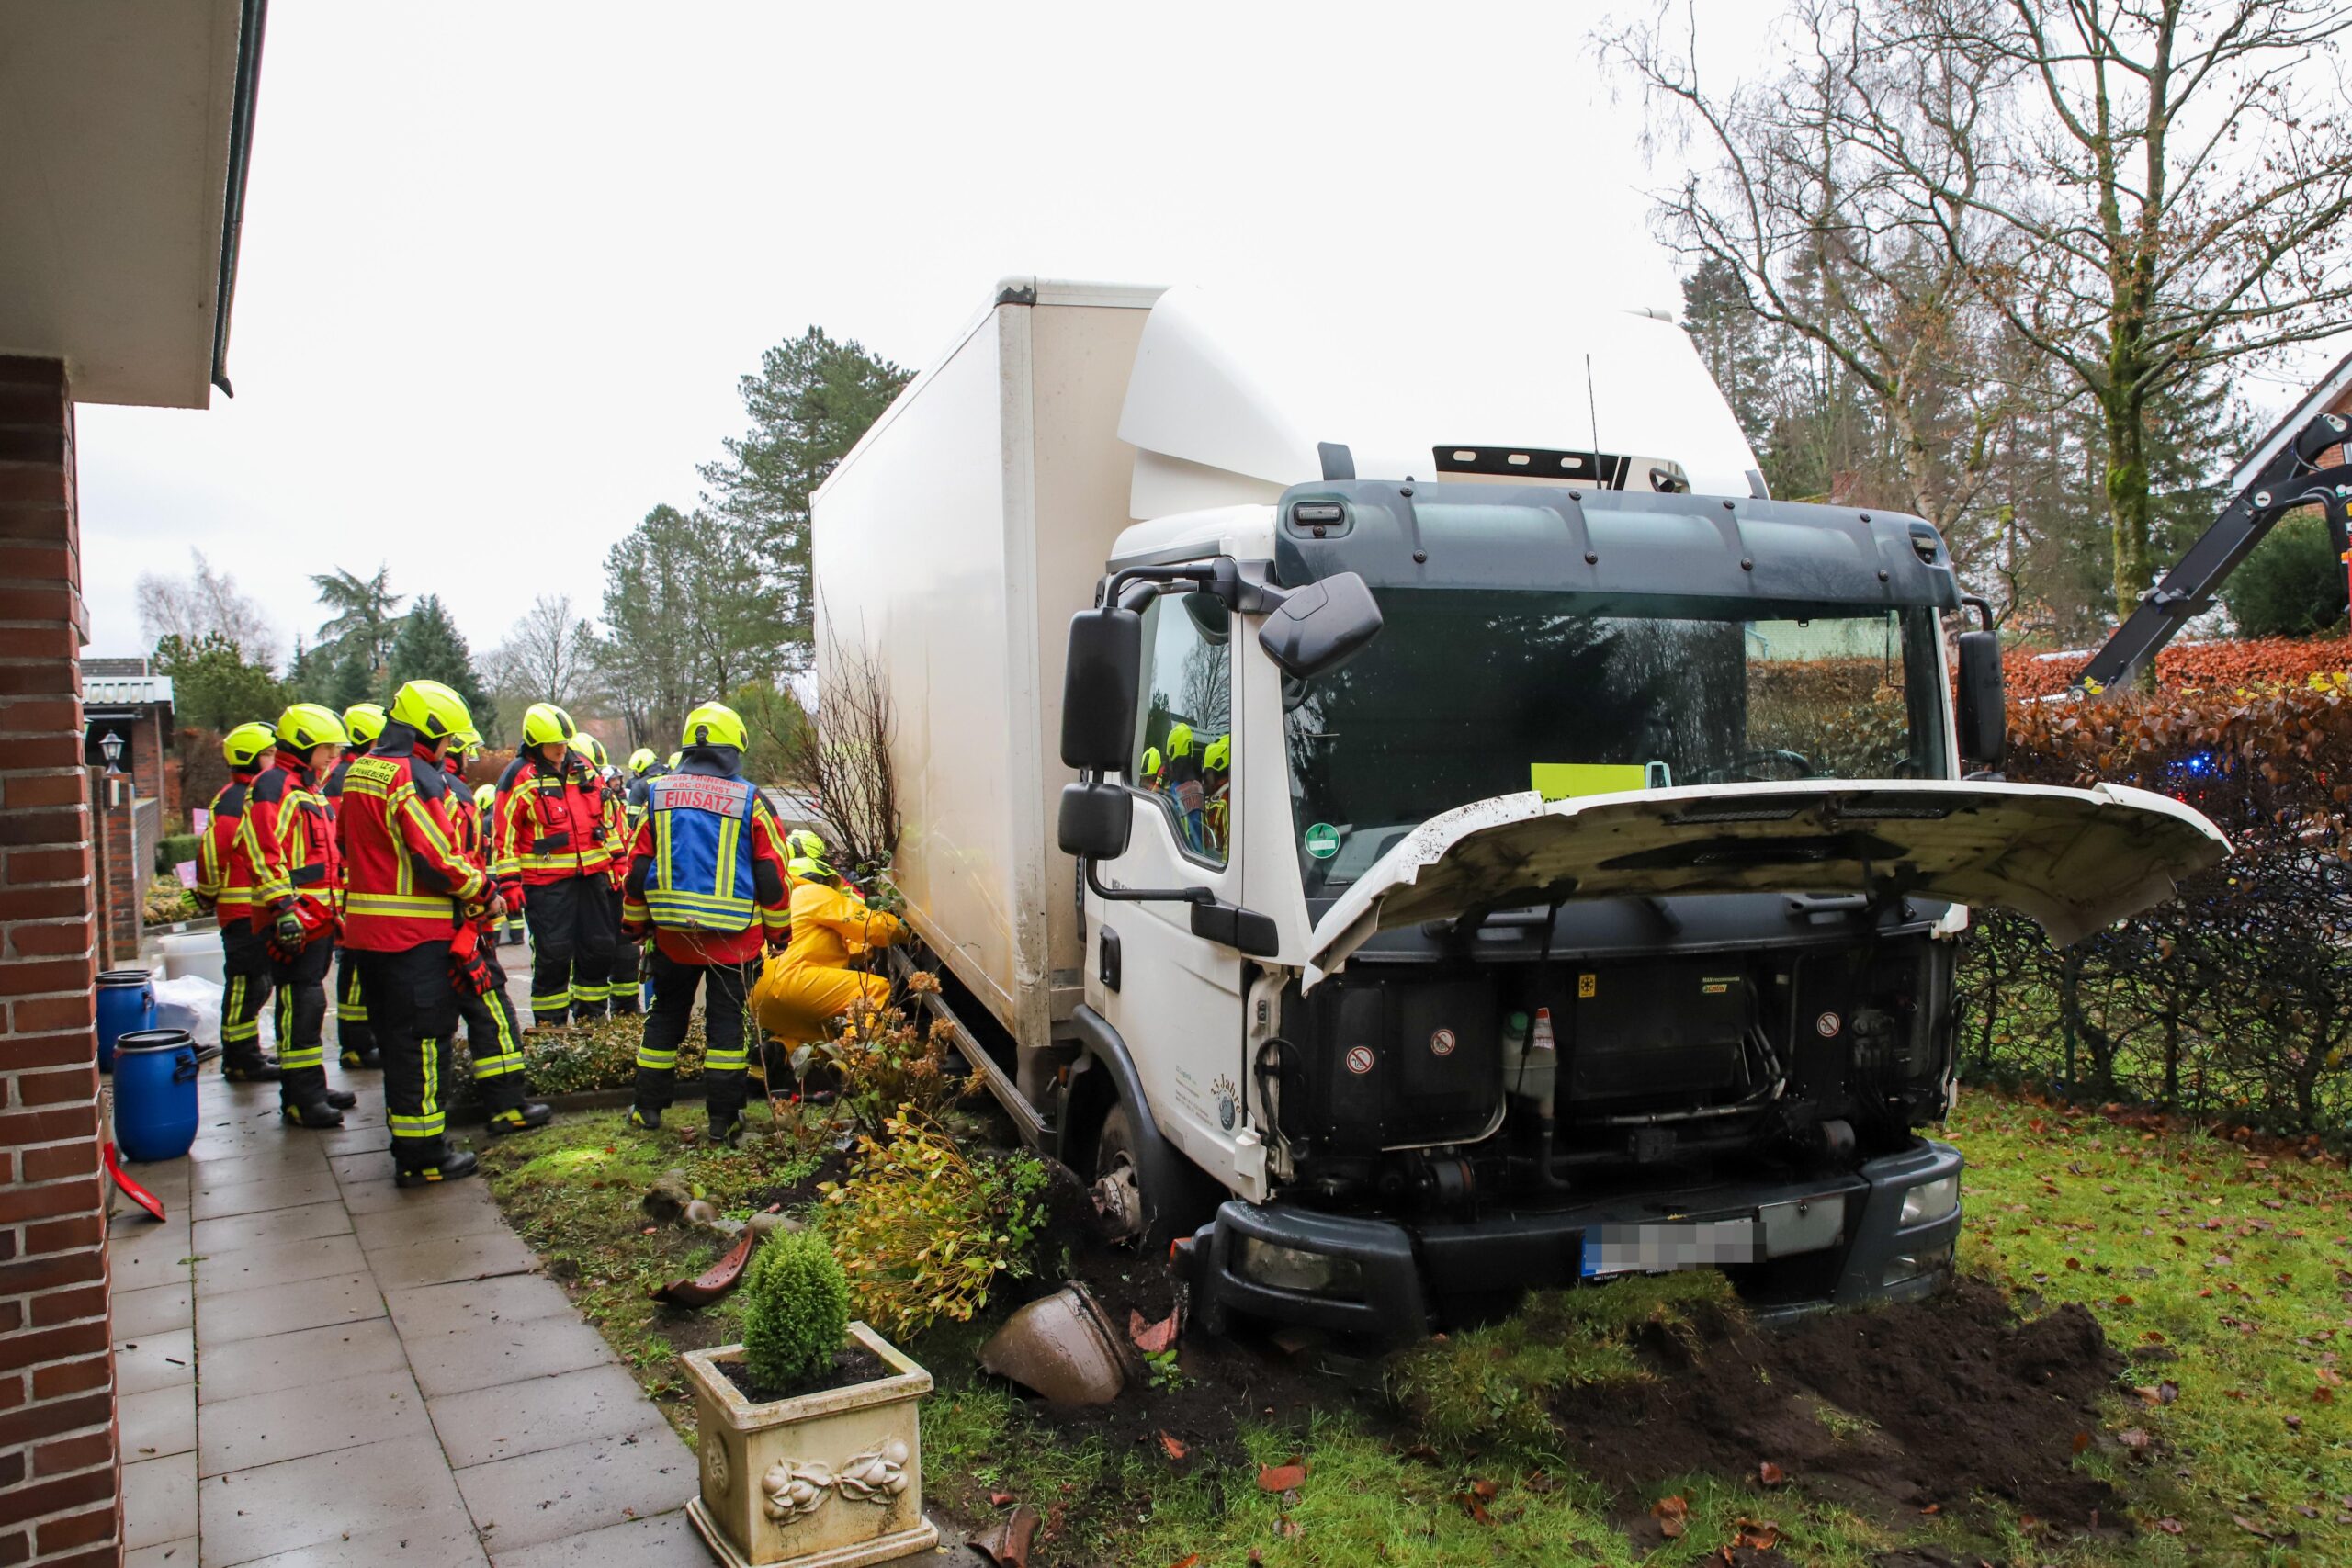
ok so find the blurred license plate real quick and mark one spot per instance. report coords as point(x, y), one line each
point(1663, 1249)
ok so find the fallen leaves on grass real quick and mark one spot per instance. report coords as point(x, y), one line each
point(1770, 1474)
point(1174, 1447)
point(1673, 1515)
point(1756, 1535)
point(1281, 1477)
point(1474, 1497)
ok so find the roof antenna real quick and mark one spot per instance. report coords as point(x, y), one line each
point(1592, 411)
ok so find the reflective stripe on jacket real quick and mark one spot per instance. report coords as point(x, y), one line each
point(223, 875)
point(407, 883)
point(701, 878)
point(289, 832)
point(550, 822)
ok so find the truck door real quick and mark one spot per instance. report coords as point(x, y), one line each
point(1178, 1004)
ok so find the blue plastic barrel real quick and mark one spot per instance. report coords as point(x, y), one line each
point(125, 1002)
point(155, 1093)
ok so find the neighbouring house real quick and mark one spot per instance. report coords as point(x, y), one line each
point(129, 123)
point(125, 741)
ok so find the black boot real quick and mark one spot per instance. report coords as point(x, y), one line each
point(447, 1167)
point(316, 1116)
point(248, 1066)
point(356, 1060)
point(342, 1098)
point(644, 1120)
point(726, 1127)
point(521, 1118)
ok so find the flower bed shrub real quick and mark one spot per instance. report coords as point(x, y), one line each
point(796, 1310)
point(2233, 1000)
point(587, 1057)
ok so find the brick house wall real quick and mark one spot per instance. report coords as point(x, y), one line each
point(60, 1464)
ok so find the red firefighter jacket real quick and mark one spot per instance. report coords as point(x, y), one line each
point(289, 836)
point(224, 877)
point(406, 881)
point(550, 823)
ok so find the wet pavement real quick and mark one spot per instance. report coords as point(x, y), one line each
point(318, 1369)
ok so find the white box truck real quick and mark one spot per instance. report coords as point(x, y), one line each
point(1396, 805)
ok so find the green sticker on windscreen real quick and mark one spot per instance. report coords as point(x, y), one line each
point(1322, 840)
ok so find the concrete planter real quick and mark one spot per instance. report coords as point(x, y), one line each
point(827, 1480)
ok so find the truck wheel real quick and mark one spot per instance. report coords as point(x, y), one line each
point(1118, 1178)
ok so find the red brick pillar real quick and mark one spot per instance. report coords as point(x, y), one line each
point(59, 1469)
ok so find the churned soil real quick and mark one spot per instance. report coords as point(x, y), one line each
point(1895, 1414)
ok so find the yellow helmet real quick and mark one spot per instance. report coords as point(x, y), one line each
point(713, 724)
point(243, 746)
point(544, 723)
point(1150, 760)
point(803, 844)
point(363, 722)
point(674, 758)
point(809, 868)
point(306, 725)
point(431, 709)
point(1219, 756)
point(1180, 740)
point(640, 759)
point(590, 748)
point(485, 795)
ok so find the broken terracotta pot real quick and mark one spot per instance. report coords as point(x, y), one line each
point(1061, 1346)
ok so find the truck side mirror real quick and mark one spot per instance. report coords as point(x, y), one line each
point(1982, 701)
point(1099, 688)
point(1095, 819)
point(1321, 626)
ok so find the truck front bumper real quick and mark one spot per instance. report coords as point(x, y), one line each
point(1389, 1279)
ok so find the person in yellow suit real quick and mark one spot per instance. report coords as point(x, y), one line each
point(811, 983)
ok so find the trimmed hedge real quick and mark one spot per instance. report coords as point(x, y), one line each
point(2233, 1000)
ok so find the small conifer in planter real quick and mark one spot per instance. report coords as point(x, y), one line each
point(806, 1460)
point(796, 1313)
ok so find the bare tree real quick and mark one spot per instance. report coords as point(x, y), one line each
point(204, 604)
point(843, 753)
point(550, 654)
point(2141, 190)
point(1828, 245)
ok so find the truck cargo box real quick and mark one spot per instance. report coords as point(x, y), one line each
point(953, 543)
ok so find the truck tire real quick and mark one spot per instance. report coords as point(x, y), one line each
point(1119, 1187)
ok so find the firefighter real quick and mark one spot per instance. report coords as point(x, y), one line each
point(811, 983)
point(224, 884)
point(362, 722)
point(620, 985)
point(550, 856)
point(288, 834)
point(408, 893)
point(1216, 785)
point(706, 877)
point(493, 1036)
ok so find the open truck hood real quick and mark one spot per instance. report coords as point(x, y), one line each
point(2075, 860)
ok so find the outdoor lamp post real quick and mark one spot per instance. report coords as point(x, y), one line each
point(111, 744)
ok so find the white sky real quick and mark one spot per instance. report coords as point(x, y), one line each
point(502, 263)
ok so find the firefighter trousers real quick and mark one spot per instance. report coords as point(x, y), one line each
point(623, 986)
point(247, 969)
point(302, 1024)
point(726, 1018)
point(353, 1034)
point(414, 1005)
point(494, 1040)
point(575, 926)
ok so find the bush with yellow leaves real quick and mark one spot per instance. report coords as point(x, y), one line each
point(886, 1062)
point(924, 1230)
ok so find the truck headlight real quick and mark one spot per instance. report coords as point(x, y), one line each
point(1294, 1269)
point(1930, 1201)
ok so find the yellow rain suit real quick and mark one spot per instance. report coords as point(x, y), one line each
point(811, 983)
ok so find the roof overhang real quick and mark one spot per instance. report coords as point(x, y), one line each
point(126, 125)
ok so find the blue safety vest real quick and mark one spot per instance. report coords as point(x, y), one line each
point(701, 879)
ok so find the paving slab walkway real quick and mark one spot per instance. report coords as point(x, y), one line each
point(318, 1370)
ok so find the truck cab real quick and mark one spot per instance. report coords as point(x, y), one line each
point(1494, 865)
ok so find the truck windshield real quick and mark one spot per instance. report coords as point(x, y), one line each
point(1470, 693)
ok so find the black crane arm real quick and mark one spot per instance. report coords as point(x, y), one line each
point(2287, 481)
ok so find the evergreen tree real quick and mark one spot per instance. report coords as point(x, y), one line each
point(431, 647)
point(812, 400)
point(364, 620)
point(354, 681)
point(214, 686)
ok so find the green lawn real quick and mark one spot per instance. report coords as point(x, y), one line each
point(2219, 1274)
